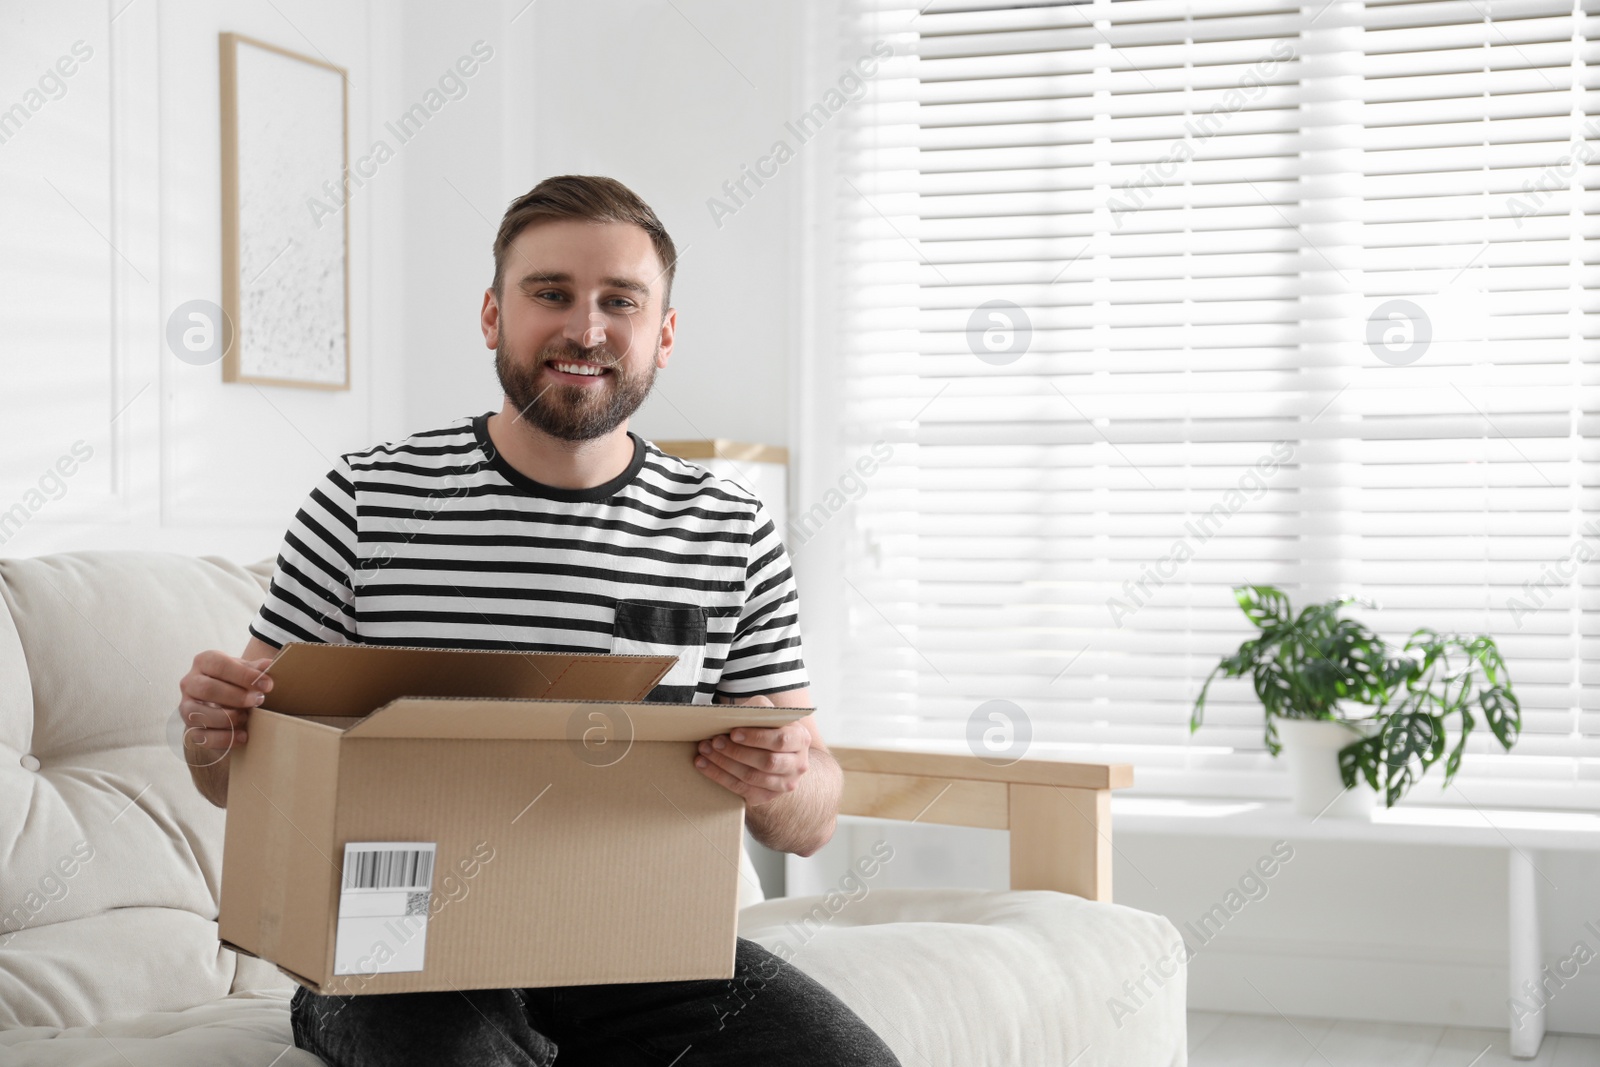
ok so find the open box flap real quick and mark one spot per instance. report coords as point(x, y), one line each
point(457, 718)
point(326, 680)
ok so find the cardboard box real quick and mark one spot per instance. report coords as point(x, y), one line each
point(533, 822)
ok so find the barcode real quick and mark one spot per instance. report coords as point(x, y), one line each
point(402, 868)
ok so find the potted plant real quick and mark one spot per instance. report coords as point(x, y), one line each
point(1313, 671)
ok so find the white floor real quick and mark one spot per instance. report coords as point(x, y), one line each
point(1217, 1040)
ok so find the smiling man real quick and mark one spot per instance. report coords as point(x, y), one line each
point(548, 526)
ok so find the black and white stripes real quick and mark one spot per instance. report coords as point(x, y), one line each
point(437, 541)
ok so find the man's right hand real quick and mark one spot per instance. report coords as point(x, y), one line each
point(217, 695)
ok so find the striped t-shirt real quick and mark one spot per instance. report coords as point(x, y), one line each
point(437, 541)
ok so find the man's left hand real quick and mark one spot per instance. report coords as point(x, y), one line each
point(760, 764)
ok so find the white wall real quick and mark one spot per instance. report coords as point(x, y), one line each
point(190, 464)
point(652, 93)
point(454, 178)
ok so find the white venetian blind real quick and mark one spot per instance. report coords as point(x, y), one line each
point(1193, 221)
point(1468, 478)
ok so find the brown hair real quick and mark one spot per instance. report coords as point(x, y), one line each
point(583, 196)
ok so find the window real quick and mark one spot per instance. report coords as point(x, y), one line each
point(1147, 299)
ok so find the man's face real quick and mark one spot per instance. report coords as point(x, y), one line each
point(579, 331)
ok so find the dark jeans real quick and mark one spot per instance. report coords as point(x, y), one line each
point(769, 1013)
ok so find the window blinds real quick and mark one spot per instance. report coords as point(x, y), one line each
point(1150, 299)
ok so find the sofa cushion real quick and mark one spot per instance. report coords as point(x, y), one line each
point(113, 861)
point(247, 1029)
point(957, 976)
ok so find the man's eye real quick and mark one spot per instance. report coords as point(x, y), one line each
point(550, 294)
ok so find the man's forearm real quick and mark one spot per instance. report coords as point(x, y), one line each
point(802, 821)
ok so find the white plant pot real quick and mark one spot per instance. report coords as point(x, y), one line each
point(1311, 749)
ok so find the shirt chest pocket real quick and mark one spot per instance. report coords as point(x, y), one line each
point(641, 628)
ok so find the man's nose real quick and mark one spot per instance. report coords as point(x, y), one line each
point(585, 326)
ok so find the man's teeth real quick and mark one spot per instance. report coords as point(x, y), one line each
point(579, 368)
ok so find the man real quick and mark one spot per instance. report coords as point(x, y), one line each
point(547, 526)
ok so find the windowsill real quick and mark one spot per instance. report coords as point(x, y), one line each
point(1413, 825)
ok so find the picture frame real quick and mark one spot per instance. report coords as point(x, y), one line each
point(285, 262)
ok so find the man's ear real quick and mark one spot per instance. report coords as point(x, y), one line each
point(669, 330)
point(489, 319)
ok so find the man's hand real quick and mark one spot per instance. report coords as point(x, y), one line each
point(217, 695)
point(760, 764)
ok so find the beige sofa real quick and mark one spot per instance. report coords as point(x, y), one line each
point(110, 864)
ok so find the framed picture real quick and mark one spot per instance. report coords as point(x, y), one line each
point(285, 233)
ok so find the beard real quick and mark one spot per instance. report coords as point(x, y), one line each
point(573, 412)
